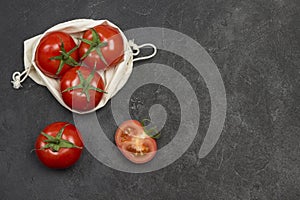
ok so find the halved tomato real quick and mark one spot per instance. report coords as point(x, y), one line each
point(134, 143)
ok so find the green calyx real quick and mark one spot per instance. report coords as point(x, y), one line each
point(65, 58)
point(152, 132)
point(95, 45)
point(85, 84)
point(55, 143)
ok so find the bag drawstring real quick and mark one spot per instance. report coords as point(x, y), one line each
point(17, 78)
point(137, 48)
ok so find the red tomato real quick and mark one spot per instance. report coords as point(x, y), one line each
point(134, 143)
point(101, 46)
point(56, 53)
point(59, 145)
point(82, 88)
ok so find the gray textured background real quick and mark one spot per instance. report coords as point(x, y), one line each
point(255, 45)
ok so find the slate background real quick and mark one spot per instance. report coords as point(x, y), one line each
point(255, 45)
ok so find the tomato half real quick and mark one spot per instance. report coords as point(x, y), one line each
point(56, 53)
point(101, 46)
point(59, 145)
point(82, 88)
point(134, 143)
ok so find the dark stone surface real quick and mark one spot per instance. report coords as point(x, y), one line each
point(255, 45)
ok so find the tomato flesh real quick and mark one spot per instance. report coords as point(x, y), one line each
point(134, 143)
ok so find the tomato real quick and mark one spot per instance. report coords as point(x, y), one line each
point(56, 53)
point(59, 145)
point(134, 143)
point(101, 46)
point(82, 88)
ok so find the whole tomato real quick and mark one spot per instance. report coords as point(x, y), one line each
point(101, 46)
point(134, 143)
point(81, 88)
point(56, 53)
point(59, 145)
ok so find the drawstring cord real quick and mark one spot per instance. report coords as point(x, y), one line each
point(17, 78)
point(136, 48)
